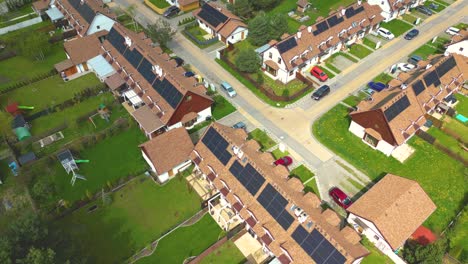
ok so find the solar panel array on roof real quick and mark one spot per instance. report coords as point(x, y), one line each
point(431, 78)
point(395, 109)
point(321, 27)
point(286, 45)
point(317, 246)
point(146, 70)
point(248, 176)
point(276, 204)
point(134, 57)
point(217, 145)
point(84, 10)
point(116, 40)
point(446, 66)
point(168, 92)
point(334, 20)
point(418, 87)
point(359, 10)
point(211, 15)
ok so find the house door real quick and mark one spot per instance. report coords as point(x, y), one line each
point(242, 34)
point(171, 173)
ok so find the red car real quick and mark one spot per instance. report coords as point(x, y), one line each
point(319, 74)
point(340, 197)
point(285, 161)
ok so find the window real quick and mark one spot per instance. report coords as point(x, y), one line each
point(354, 24)
point(291, 73)
point(279, 60)
point(270, 55)
point(188, 98)
point(232, 37)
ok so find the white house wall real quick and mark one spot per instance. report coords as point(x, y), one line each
point(205, 27)
point(203, 115)
point(459, 48)
point(100, 22)
point(236, 36)
point(148, 161)
point(357, 129)
point(384, 147)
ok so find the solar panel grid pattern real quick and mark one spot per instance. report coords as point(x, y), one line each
point(287, 45)
point(418, 87)
point(168, 92)
point(248, 176)
point(446, 66)
point(85, 11)
point(134, 57)
point(395, 109)
point(146, 70)
point(317, 246)
point(217, 145)
point(334, 20)
point(431, 78)
point(116, 40)
point(276, 204)
point(211, 15)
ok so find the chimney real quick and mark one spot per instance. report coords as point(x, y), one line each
point(343, 12)
point(299, 33)
point(359, 2)
point(309, 29)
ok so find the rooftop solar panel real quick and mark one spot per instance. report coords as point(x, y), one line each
point(248, 176)
point(134, 57)
point(395, 109)
point(276, 204)
point(286, 45)
point(431, 78)
point(217, 145)
point(349, 12)
point(418, 87)
point(211, 15)
point(446, 66)
point(145, 69)
point(322, 26)
point(359, 10)
point(83, 9)
point(334, 20)
point(116, 40)
point(168, 92)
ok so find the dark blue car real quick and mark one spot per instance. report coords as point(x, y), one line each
point(412, 34)
point(376, 86)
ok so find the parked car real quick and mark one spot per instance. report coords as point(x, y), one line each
point(452, 31)
point(424, 10)
point(321, 92)
point(377, 86)
point(385, 33)
point(240, 125)
point(189, 74)
point(412, 34)
point(179, 61)
point(319, 74)
point(340, 197)
point(414, 59)
point(405, 67)
point(228, 88)
point(285, 161)
point(171, 11)
point(434, 6)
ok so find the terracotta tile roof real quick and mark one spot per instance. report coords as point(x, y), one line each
point(230, 26)
point(63, 65)
point(308, 42)
point(114, 81)
point(303, 3)
point(224, 28)
point(186, 2)
point(147, 119)
point(41, 5)
point(398, 213)
point(402, 126)
point(272, 64)
point(168, 149)
point(83, 49)
point(276, 176)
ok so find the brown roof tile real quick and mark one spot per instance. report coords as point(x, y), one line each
point(114, 81)
point(398, 213)
point(147, 119)
point(41, 5)
point(169, 149)
point(227, 27)
point(63, 65)
point(83, 49)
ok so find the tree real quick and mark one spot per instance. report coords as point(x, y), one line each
point(264, 4)
point(5, 130)
point(430, 254)
point(278, 25)
point(34, 45)
point(161, 32)
point(43, 190)
point(5, 250)
point(241, 8)
point(248, 61)
point(38, 256)
point(259, 30)
point(25, 231)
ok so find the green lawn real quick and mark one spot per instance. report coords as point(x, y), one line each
point(186, 242)
point(448, 141)
point(439, 175)
point(409, 18)
point(383, 78)
point(424, 51)
point(277, 153)
point(29, 68)
point(354, 100)
point(347, 56)
point(160, 3)
point(49, 92)
point(461, 26)
point(228, 253)
point(375, 256)
point(329, 73)
point(440, 8)
point(369, 43)
point(280, 88)
point(140, 213)
point(459, 238)
point(222, 107)
point(304, 174)
point(462, 106)
point(198, 33)
point(359, 51)
point(262, 138)
point(396, 26)
point(457, 127)
point(333, 68)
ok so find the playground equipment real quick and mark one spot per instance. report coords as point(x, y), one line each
point(19, 124)
point(15, 109)
point(22, 133)
point(70, 165)
point(103, 112)
point(22, 107)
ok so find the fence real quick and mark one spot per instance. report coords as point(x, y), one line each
point(267, 90)
point(195, 39)
point(29, 81)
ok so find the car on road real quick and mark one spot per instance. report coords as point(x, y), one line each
point(340, 197)
point(452, 31)
point(424, 10)
point(414, 59)
point(189, 74)
point(240, 125)
point(412, 34)
point(319, 74)
point(171, 11)
point(321, 92)
point(405, 67)
point(228, 88)
point(285, 161)
point(385, 33)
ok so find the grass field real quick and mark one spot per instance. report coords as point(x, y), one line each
point(448, 141)
point(375, 256)
point(333, 68)
point(49, 92)
point(459, 238)
point(359, 51)
point(396, 26)
point(439, 175)
point(228, 253)
point(304, 174)
point(354, 100)
point(277, 153)
point(186, 242)
point(262, 138)
point(424, 51)
point(160, 3)
point(383, 78)
point(369, 43)
point(140, 213)
point(221, 107)
point(462, 106)
point(457, 127)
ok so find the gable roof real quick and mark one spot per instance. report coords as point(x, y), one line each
point(82, 49)
point(405, 105)
point(168, 149)
point(397, 206)
point(327, 32)
point(247, 182)
point(219, 19)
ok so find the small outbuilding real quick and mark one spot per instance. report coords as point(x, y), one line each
point(302, 5)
